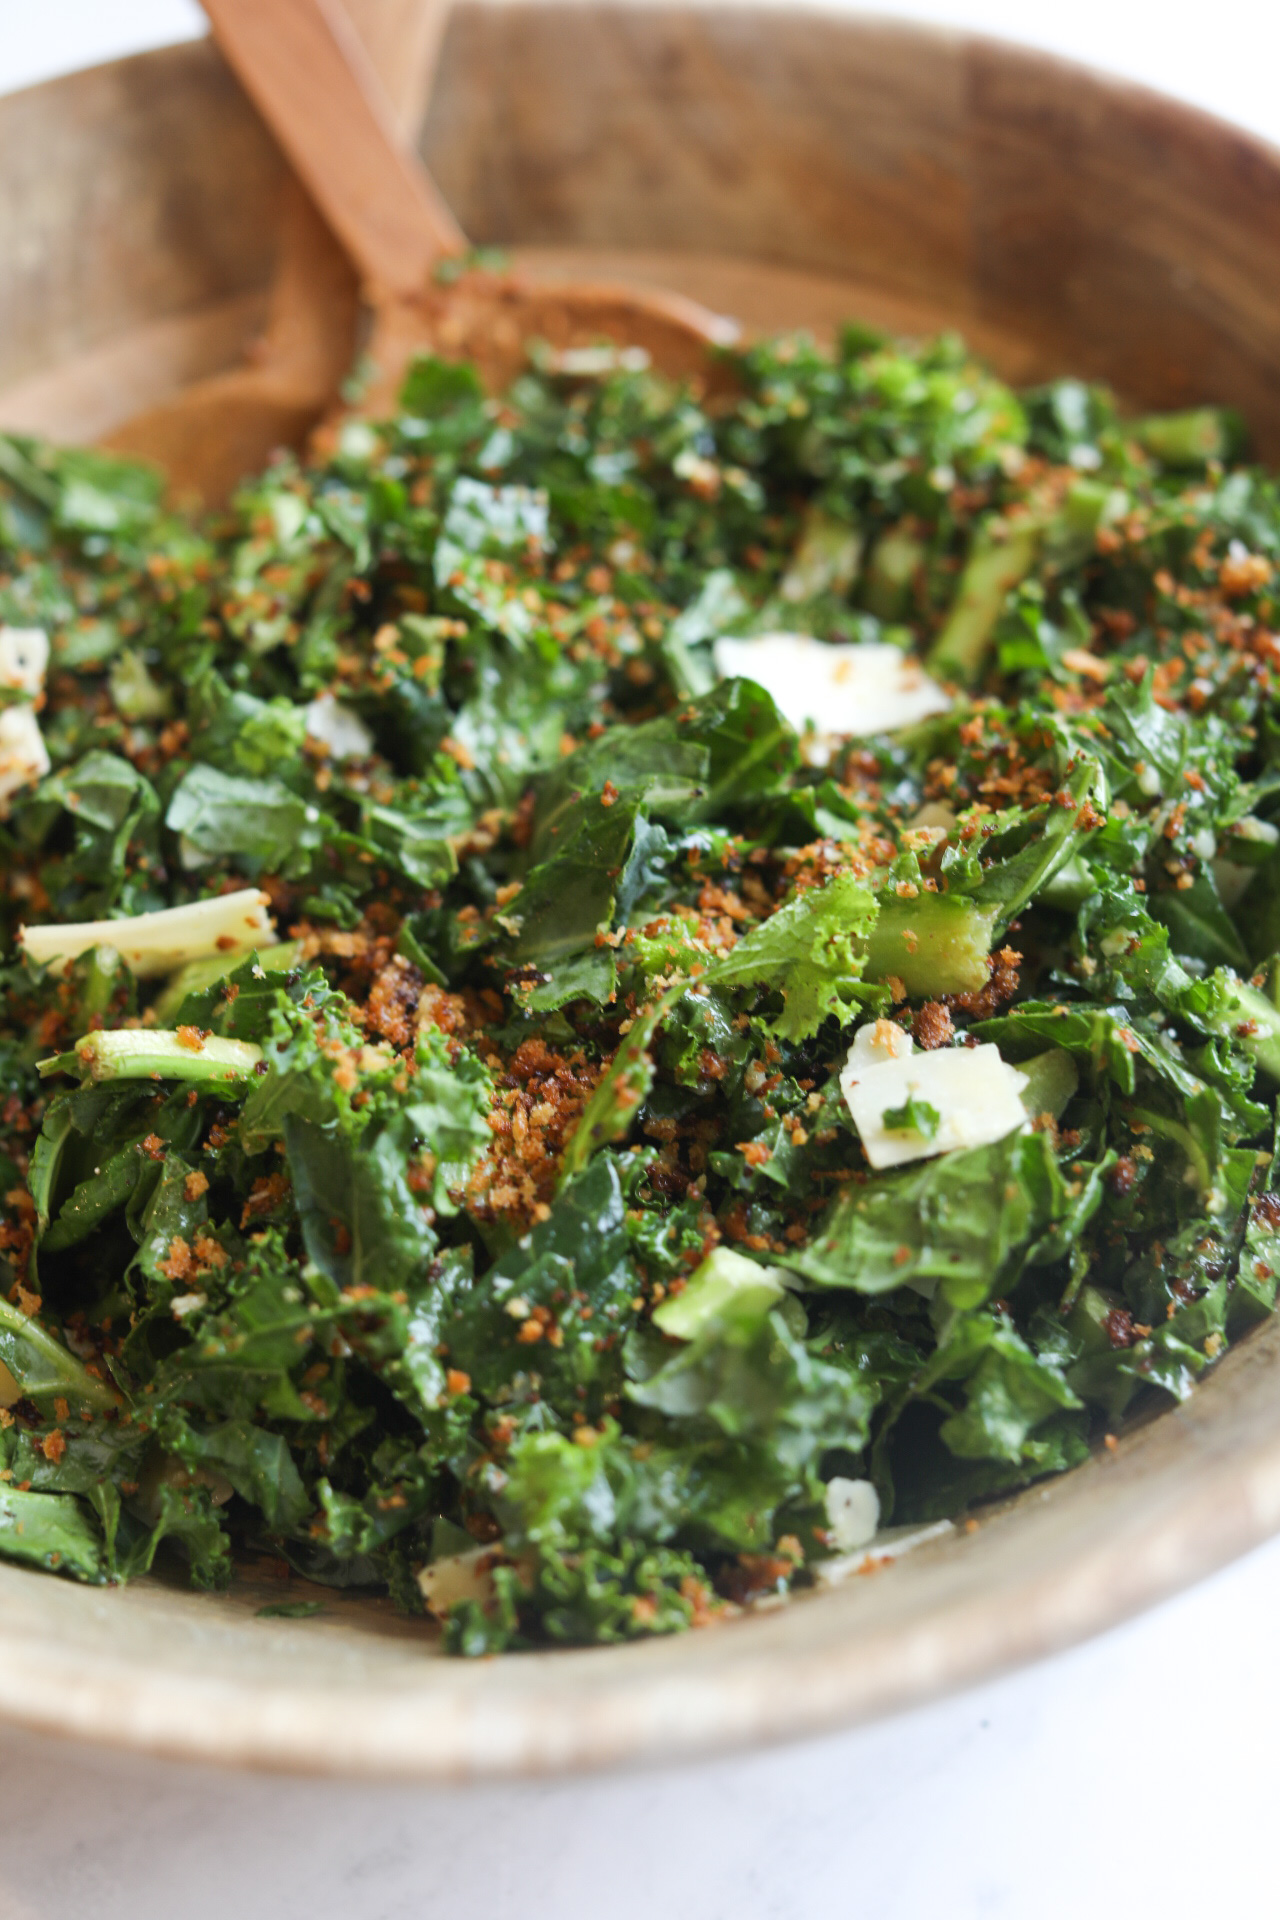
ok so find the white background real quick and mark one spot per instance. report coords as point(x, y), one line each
point(1134, 1777)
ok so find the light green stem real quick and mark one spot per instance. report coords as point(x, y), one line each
point(994, 566)
point(1068, 888)
point(895, 560)
point(1189, 439)
point(1001, 558)
point(142, 1053)
point(934, 943)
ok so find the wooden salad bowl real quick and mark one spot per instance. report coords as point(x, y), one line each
point(790, 167)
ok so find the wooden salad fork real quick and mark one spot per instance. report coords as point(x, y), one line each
point(343, 87)
point(222, 427)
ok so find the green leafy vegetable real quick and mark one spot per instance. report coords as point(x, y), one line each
point(428, 983)
point(913, 1116)
point(810, 952)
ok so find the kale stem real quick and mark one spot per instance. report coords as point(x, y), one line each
point(936, 943)
point(1189, 439)
point(152, 944)
point(1000, 559)
point(142, 1053)
point(993, 567)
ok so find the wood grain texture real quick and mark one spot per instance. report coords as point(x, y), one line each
point(1106, 229)
point(782, 135)
point(1090, 222)
point(309, 72)
point(85, 397)
point(1132, 238)
point(307, 69)
point(794, 167)
point(208, 435)
point(128, 194)
point(402, 39)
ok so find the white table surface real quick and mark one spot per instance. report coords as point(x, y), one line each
point(1134, 1776)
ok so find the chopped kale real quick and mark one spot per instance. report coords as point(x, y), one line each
point(477, 1218)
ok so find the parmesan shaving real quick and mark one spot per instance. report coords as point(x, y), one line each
point(973, 1094)
point(835, 688)
point(341, 732)
point(457, 1577)
point(24, 658)
point(24, 758)
point(853, 1513)
point(882, 1551)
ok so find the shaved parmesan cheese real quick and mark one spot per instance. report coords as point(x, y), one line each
point(457, 1577)
point(853, 1513)
point(339, 730)
point(878, 1041)
point(151, 944)
point(24, 758)
point(24, 656)
point(935, 816)
point(880, 1552)
point(973, 1094)
point(836, 688)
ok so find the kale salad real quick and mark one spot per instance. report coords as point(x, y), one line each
point(613, 995)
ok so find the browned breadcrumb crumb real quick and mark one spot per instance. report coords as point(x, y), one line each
point(178, 1262)
point(392, 1006)
point(537, 1102)
point(931, 1026)
point(1001, 987)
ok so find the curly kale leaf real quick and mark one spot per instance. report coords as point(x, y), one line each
point(811, 951)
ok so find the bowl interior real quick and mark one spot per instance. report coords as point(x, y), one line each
point(792, 167)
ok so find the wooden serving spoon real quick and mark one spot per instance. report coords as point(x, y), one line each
point(218, 429)
point(306, 69)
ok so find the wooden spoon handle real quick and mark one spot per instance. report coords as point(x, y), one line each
point(304, 66)
point(402, 39)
